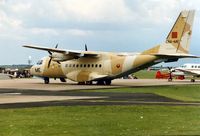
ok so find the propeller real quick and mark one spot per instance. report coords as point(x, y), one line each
point(169, 68)
point(170, 73)
point(50, 55)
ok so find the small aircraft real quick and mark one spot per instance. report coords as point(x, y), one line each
point(190, 69)
point(87, 67)
point(169, 74)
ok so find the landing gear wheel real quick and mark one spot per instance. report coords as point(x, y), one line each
point(62, 80)
point(88, 82)
point(81, 83)
point(100, 82)
point(169, 79)
point(192, 80)
point(108, 82)
point(46, 80)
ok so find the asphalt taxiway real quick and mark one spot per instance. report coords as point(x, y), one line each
point(56, 85)
point(20, 93)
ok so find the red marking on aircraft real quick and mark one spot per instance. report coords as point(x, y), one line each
point(174, 34)
point(118, 65)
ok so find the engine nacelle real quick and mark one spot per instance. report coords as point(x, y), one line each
point(61, 57)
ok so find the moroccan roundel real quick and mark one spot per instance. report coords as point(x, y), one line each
point(118, 65)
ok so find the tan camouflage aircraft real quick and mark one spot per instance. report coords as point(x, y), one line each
point(85, 67)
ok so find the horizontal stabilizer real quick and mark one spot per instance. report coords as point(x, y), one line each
point(176, 55)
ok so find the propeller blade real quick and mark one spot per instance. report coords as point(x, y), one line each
point(86, 48)
point(56, 46)
point(50, 52)
point(169, 68)
point(58, 62)
point(49, 63)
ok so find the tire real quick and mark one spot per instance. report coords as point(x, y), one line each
point(169, 80)
point(108, 82)
point(81, 83)
point(89, 82)
point(62, 80)
point(100, 82)
point(192, 80)
point(46, 80)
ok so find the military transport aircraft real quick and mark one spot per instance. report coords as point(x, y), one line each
point(85, 67)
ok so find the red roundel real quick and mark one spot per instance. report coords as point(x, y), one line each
point(118, 65)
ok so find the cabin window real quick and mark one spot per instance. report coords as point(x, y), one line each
point(92, 65)
point(96, 65)
point(195, 66)
point(198, 66)
point(192, 66)
point(66, 65)
point(88, 65)
point(84, 65)
point(77, 65)
point(100, 65)
point(81, 65)
point(70, 65)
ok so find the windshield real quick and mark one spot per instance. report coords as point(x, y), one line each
point(39, 62)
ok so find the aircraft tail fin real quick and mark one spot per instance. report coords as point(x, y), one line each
point(178, 39)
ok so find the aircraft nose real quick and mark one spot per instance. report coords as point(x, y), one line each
point(36, 71)
point(32, 70)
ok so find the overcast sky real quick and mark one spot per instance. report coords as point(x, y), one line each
point(104, 25)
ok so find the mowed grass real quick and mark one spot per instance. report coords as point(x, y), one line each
point(179, 92)
point(108, 120)
point(100, 121)
point(145, 74)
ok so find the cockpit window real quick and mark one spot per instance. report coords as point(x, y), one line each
point(39, 62)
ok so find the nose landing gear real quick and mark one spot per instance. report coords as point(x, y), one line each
point(192, 80)
point(46, 80)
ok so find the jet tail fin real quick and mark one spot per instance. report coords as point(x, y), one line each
point(178, 39)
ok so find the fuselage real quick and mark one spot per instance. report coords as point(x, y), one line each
point(94, 68)
point(190, 69)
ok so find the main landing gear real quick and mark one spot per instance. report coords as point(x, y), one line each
point(46, 80)
point(100, 82)
point(63, 80)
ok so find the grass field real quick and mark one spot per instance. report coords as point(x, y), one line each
point(108, 120)
point(144, 74)
point(100, 121)
point(179, 92)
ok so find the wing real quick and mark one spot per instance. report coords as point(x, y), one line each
point(188, 72)
point(67, 53)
